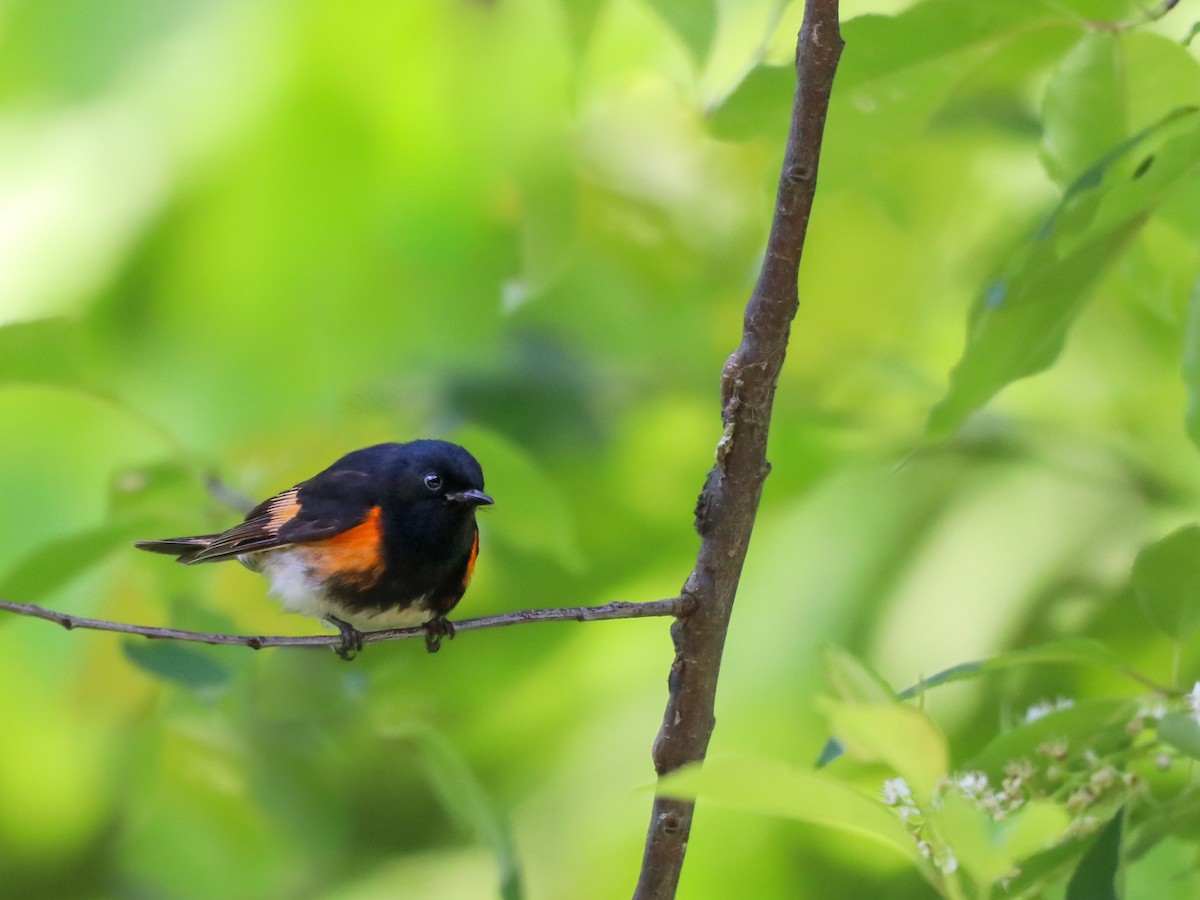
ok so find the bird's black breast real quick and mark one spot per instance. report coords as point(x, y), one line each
point(427, 548)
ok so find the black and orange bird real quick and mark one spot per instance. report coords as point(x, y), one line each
point(384, 538)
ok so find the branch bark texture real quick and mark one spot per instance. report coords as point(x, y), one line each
point(727, 506)
point(675, 606)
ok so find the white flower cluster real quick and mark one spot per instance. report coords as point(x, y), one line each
point(1044, 707)
point(1089, 783)
point(1193, 701)
point(897, 794)
point(996, 802)
point(1080, 780)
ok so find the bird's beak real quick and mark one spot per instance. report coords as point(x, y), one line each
point(470, 498)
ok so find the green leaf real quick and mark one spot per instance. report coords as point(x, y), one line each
point(41, 351)
point(773, 789)
point(176, 662)
point(852, 680)
point(1095, 878)
point(990, 850)
point(1098, 724)
point(1083, 112)
point(1137, 177)
point(895, 75)
point(900, 737)
point(1160, 75)
point(1182, 732)
point(1075, 651)
point(1019, 324)
point(695, 21)
point(1072, 651)
point(1019, 328)
point(899, 73)
point(1167, 872)
point(1178, 816)
point(1166, 581)
point(878, 47)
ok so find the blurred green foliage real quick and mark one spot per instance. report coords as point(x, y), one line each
point(243, 237)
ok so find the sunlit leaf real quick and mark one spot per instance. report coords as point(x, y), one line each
point(1166, 580)
point(900, 737)
point(990, 850)
point(770, 788)
point(1083, 112)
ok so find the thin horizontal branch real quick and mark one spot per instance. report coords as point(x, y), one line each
point(675, 606)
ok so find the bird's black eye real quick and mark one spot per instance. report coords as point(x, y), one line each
point(433, 481)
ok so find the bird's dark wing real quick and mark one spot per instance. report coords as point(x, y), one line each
point(315, 510)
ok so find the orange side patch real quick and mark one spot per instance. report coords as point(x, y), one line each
point(471, 562)
point(354, 555)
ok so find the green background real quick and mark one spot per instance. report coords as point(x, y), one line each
point(243, 237)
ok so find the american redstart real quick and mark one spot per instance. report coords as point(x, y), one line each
point(383, 538)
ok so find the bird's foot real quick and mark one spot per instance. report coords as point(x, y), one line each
point(435, 629)
point(352, 638)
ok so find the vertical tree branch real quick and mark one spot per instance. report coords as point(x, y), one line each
point(726, 508)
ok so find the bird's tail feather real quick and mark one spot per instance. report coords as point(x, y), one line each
point(184, 549)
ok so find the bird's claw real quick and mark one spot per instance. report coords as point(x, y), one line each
point(435, 629)
point(352, 639)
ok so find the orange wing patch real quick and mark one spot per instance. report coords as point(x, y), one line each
point(467, 575)
point(355, 555)
point(281, 510)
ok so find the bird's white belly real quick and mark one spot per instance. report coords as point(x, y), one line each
point(290, 580)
